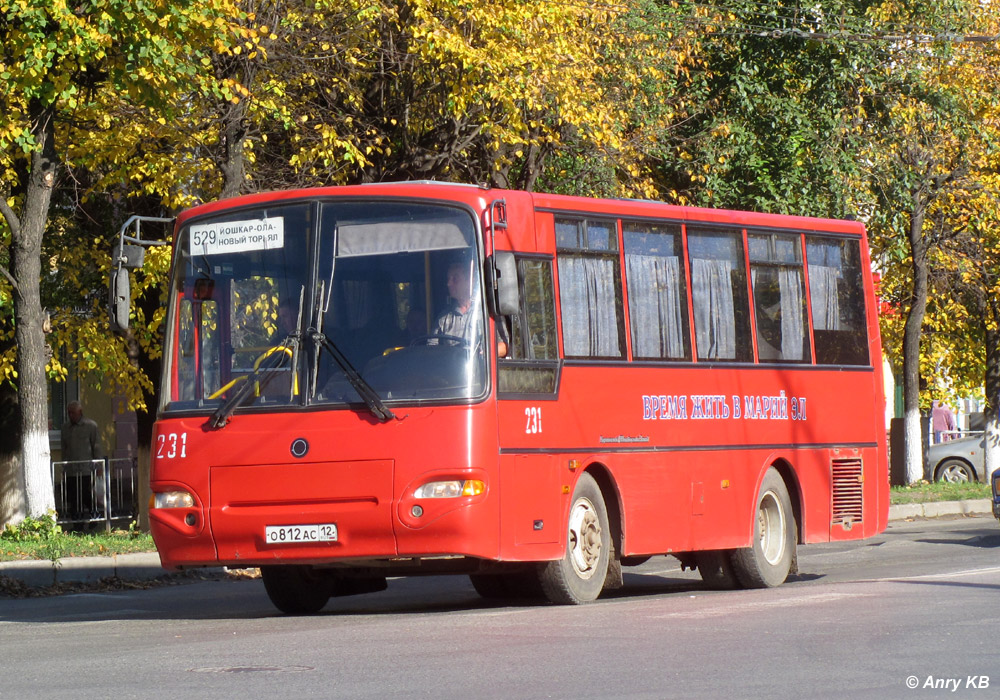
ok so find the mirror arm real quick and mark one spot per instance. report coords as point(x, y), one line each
point(128, 254)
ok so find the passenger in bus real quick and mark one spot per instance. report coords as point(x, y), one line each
point(288, 316)
point(416, 324)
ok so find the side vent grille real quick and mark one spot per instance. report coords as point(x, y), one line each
point(848, 482)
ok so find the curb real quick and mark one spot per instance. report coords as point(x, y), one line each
point(937, 509)
point(42, 573)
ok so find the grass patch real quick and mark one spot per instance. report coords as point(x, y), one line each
point(43, 538)
point(924, 492)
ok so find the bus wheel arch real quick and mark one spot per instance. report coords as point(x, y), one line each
point(770, 558)
point(788, 475)
point(613, 504)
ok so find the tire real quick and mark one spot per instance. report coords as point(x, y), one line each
point(768, 561)
point(716, 569)
point(519, 585)
point(580, 575)
point(526, 585)
point(296, 590)
point(955, 471)
point(490, 586)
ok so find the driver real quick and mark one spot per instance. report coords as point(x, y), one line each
point(459, 319)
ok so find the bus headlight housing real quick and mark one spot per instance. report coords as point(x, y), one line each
point(173, 499)
point(454, 488)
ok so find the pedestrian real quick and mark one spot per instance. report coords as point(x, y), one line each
point(942, 421)
point(81, 442)
point(80, 437)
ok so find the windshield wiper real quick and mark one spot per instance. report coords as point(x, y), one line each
point(264, 373)
point(256, 382)
point(364, 389)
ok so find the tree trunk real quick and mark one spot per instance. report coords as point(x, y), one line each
point(26, 267)
point(232, 163)
point(992, 453)
point(11, 476)
point(913, 434)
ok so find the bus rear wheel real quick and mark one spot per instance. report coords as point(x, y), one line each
point(296, 590)
point(579, 576)
point(767, 562)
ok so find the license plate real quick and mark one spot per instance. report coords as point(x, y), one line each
point(289, 534)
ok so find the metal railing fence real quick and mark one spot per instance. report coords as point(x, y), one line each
point(94, 491)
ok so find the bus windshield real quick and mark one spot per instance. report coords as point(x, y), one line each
point(326, 303)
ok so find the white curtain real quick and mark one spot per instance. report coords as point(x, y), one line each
point(792, 326)
point(825, 298)
point(655, 305)
point(714, 310)
point(589, 306)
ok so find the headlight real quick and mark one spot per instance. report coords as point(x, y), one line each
point(450, 489)
point(173, 499)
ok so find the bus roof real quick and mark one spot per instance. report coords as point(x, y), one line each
point(479, 197)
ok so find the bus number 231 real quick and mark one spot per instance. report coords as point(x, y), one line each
point(171, 445)
point(533, 420)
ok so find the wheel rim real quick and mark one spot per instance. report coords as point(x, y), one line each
point(955, 474)
point(771, 528)
point(584, 538)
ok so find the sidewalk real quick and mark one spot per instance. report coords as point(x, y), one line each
point(146, 566)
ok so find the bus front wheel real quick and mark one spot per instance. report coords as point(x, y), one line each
point(716, 569)
point(508, 586)
point(767, 562)
point(296, 590)
point(579, 576)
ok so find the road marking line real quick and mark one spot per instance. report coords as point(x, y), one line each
point(787, 602)
point(950, 574)
point(673, 570)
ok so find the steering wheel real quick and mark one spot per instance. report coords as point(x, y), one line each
point(440, 339)
point(256, 365)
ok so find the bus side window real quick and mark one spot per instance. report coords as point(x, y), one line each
point(532, 361)
point(838, 301)
point(590, 289)
point(719, 295)
point(657, 291)
point(779, 297)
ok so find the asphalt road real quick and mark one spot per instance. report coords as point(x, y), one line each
point(914, 606)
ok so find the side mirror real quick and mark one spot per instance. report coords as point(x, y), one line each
point(130, 256)
point(119, 300)
point(506, 296)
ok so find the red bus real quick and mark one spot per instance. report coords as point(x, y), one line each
point(529, 389)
